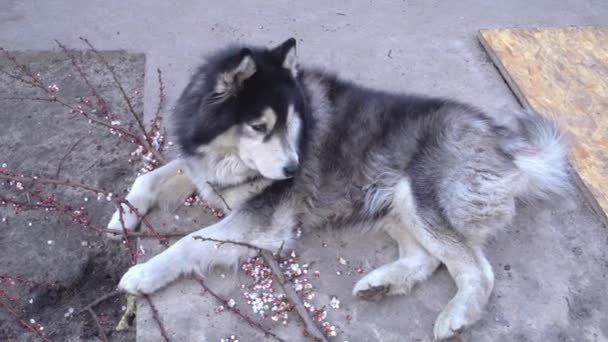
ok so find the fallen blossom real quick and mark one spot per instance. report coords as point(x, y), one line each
point(329, 329)
point(334, 303)
point(318, 313)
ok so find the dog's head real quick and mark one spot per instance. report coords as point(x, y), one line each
point(247, 99)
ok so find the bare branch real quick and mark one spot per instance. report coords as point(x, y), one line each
point(100, 299)
point(238, 312)
point(66, 155)
point(101, 102)
point(232, 242)
point(102, 334)
point(35, 82)
point(24, 323)
point(138, 117)
point(311, 327)
point(293, 297)
point(219, 195)
point(157, 318)
point(146, 234)
point(117, 200)
point(161, 100)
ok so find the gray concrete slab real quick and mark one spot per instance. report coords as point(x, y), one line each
point(551, 267)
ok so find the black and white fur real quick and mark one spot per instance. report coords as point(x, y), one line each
point(294, 147)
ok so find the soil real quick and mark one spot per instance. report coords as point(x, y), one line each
point(50, 267)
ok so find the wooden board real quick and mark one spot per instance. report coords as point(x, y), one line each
point(563, 72)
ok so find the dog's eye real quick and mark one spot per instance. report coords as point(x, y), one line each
point(259, 128)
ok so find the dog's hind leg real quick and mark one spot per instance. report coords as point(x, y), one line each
point(414, 265)
point(465, 261)
point(167, 185)
point(190, 255)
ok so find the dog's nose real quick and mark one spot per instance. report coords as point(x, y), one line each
point(291, 169)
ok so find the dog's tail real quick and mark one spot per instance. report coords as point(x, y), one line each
point(540, 151)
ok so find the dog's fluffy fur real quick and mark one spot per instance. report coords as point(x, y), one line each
point(290, 147)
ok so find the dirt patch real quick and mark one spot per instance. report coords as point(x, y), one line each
point(51, 267)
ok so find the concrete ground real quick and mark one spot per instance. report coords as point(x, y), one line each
point(551, 267)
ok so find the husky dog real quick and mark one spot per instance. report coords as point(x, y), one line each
point(296, 147)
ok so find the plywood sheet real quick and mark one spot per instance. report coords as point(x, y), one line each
point(563, 72)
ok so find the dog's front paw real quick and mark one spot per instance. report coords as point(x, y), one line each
point(142, 279)
point(457, 315)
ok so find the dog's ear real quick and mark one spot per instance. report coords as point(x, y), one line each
point(236, 73)
point(287, 55)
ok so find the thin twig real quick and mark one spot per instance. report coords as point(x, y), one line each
point(15, 77)
point(24, 323)
point(102, 334)
point(130, 136)
point(293, 297)
point(83, 75)
point(219, 195)
point(51, 181)
point(143, 235)
point(100, 299)
point(52, 207)
point(311, 327)
point(66, 155)
point(232, 242)
point(238, 312)
point(35, 82)
point(132, 253)
point(118, 200)
point(157, 318)
point(161, 98)
point(136, 116)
